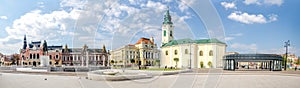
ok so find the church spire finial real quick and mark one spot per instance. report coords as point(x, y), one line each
point(25, 42)
point(167, 17)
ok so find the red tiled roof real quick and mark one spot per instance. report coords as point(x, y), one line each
point(145, 40)
point(130, 45)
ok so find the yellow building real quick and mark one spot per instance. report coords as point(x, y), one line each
point(143, 52)
point(185, 53)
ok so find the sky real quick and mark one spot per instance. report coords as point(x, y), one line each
point(246, 26)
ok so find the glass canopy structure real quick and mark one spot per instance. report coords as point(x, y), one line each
point(271, 62)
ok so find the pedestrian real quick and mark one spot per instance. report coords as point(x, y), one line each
point(295, 68)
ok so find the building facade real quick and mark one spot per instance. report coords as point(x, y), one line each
point(143, 52)
point(30, 55)
point(187, 53)
point(85, 56)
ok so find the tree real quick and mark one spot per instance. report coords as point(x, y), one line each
point(284, 60)
point(201, 64)
point(158, 62)
point(298, 61)
point(176, 60)
point(15, 59)
point(132, 60)
point(112, 62)
point(209, 64)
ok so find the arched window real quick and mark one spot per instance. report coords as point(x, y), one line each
point(33, 56)
point(186, 51)
point(211, 53)
point(30, 56)
point(175, 52)
point(50, 57)
point(38, 56)
point(167, 52)
point(165, 33)
point(170, 33)
point(201, 53)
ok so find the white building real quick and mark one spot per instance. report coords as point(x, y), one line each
point(184, 53)
point(143, 52)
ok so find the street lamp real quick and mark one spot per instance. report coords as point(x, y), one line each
point(190, 58)
point(287, 44)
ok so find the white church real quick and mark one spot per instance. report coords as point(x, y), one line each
point(188, 53)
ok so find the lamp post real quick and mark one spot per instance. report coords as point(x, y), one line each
point(190, 58)
point(287, 44)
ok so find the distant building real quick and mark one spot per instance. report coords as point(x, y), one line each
point(30, 55)
point(7, 60)
point(184, 53)
point(85, 56)
point(143, 52)
point(228, 53)
point(271, 62)
point(292, 59)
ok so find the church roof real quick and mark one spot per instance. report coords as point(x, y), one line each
point(190, 41)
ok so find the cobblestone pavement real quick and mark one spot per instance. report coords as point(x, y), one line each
point(229, 79)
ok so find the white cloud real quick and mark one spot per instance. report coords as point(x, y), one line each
point(248, 2)
point(182, 6)
point(244, 48)
point(273, 17)
point(229, 38)
point(94, 23)
point(228, 5)
point(76, 4)
point(237, 34)
point(233, 36)
point(251, 18)
point(168, 0)
point(156, 5)
point(292, 50)
point(273, 2)
point(3, 17)
point(267, 2)
point(36, 25)
point(41, 4)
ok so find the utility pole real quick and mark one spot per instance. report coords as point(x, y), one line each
point(287, 44)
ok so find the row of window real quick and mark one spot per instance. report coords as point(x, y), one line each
point(33, 56)
point(165, 33)
point(186, 52)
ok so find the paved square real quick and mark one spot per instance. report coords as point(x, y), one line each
point(186, 80)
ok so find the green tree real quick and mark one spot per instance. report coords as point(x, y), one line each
point(201, 64)
point(176, 60)
point(112, 61)
point(298, 61)
point(209, 64)
point(157, 62)
point(284, 60)
point(132, 60)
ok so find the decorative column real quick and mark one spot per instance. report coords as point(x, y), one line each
point(87, 58)
point(103, 60)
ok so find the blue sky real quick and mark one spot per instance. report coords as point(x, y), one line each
point(247, 26)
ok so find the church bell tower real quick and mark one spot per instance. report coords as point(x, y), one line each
point(167, 28)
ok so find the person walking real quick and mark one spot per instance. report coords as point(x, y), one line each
point(295, 68)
